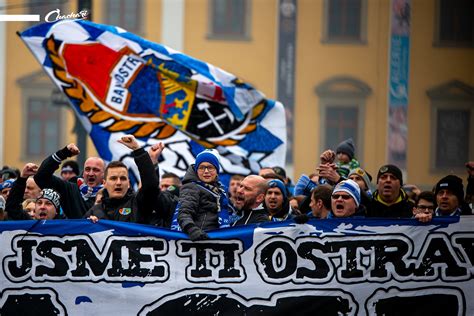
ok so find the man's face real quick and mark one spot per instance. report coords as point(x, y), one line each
point(388, 187)
point(233, 186)
point(342, 204)
point(32, 191)
point(247, 195)
point(93, 171)
point(66, 175)
point(6, 193)
point(116, 182)
point(314, 207)
point(167, 182)
point(274, 200)
point(447, 201)
point(44, 209)
point(358, 179)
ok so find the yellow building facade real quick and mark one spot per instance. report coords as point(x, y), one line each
point(333, 76)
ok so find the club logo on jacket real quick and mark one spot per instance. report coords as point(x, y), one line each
point(125, 211)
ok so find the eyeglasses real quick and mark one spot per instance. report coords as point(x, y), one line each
point(343, 196)
point(208, 168)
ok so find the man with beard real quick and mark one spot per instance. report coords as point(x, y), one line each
point(389, 200)
point(76, 198)
point(276, 201)
point(249, 200)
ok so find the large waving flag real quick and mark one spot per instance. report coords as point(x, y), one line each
point(119, 83)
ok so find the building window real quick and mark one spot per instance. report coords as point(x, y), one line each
point(345, 21)
point(455, 23)
point(42, 127)
point(342, 112)
point(452, 137)
point(452, 126)
point(125, 14)
point(229, 19)
point(43, 122)
point(341, 123)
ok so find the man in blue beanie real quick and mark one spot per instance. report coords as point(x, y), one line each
point(276, 201)
point(345, 200)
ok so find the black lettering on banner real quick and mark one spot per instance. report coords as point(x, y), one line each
point(77, 258)
point(224, 301)
point(466, 243)
point(356, 259)
point(438, 254)
point(213, 261)
point(22, 266)
point(314, 252)
point(416, 301)
point(278, 260)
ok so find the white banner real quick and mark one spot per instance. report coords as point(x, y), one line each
point(325, 267)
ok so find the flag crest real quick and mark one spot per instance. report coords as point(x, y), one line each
point(119, 83)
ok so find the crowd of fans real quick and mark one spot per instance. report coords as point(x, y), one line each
point(198, 202)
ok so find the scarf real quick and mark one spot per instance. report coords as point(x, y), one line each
point(87, 192)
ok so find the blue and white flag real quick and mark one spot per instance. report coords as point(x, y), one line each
point(119, 83)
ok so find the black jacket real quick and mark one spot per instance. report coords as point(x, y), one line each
point(13, 206)
point(72, 203)
point(255, 216)
point(162, 209)
point(133, 207)
point(198, 207)
point(402, 209)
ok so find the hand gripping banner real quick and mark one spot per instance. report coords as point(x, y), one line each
point(324, 267)
point(119, 83)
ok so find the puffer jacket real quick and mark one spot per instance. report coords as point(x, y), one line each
point(198, 207)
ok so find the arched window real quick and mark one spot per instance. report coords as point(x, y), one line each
point(342, 112)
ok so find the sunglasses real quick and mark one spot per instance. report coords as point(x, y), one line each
point(343, 196)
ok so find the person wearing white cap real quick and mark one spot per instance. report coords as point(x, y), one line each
point(345, 200)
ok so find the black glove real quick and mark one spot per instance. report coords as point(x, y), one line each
point(196, 234)
point(301, 219)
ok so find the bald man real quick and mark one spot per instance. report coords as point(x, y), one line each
point(76, 198)
point(249, 200)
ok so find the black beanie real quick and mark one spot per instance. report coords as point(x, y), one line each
point(346, 147)
point(390, 169)
point(452, 183)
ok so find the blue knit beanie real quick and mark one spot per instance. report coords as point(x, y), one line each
point(275, 183)
point(209, 155)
